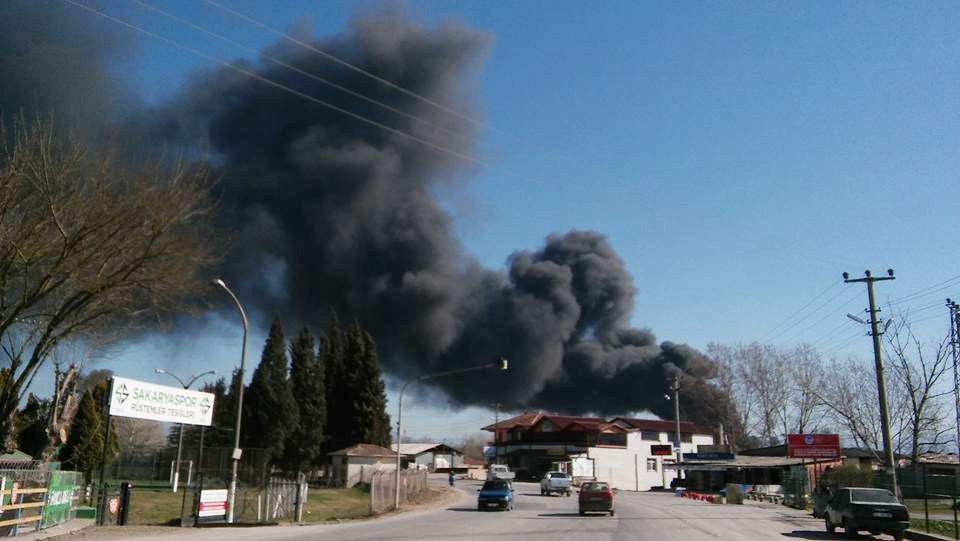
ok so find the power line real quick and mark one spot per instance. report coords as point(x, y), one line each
point(789, 318)
point(926, 291)
point(293, 68)
point(809, 314)
point(340, 61)
point(275, 84)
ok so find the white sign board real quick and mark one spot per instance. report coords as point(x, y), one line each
point(132, 398)
point(212, 504)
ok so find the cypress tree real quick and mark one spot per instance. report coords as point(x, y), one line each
point(305, 444)
point(331, 354)
point(87, 434)
point(371, 424)
point(269, 411)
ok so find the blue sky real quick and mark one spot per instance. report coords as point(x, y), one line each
point(739, 156)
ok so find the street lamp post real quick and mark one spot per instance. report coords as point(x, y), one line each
point(676, 417)
point(176, 469)
point(231, 495)
point(501, 364)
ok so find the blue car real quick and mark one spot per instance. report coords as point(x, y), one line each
point(495, 494)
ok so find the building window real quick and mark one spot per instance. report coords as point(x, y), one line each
point(685, 437)
point(546, 426)
point(651, 464)
point(649, 435)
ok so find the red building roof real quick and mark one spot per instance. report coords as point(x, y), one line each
point(365, 449)
point(686, 427)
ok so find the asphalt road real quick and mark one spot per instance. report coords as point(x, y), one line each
point(640, 516)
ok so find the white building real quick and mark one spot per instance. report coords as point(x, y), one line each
point(431, 456)
point(621, 451)
point(358, 463)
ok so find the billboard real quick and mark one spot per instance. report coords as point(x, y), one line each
point(141, 400)
point(813, 446)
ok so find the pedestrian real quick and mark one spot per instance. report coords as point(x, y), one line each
point(450, 478)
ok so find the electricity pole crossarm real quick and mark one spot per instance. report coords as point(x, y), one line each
point(875, 333)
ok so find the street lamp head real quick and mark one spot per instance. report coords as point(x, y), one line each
point(667, 397)
point(503, 363)
point(846, 275)
point(887, 325)
point(160, 371)
point(855, 318)
point(218, 282)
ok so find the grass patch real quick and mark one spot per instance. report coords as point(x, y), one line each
point(941, 527)
point(150, 507)
point(332, 503)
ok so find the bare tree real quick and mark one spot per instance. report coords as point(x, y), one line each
point(762, 371)
point(804, 369)
point(920, 372)
point(87, 247)
point(136, 435)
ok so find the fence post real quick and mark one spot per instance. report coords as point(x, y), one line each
point(926, 511)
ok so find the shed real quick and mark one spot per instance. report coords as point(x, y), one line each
point(430, 456)
point(357, 464)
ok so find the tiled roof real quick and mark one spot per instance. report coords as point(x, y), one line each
point(365, 449)
point(686, 427)
point(527, 418)
point(561, 422)
point(417, 448)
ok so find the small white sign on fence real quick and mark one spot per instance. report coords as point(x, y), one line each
point(212, 505)
point(132, 398)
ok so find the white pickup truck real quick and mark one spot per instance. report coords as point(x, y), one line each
point(555, 481)
point(500, 471)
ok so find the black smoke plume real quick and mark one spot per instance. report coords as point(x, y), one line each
point(327, 212)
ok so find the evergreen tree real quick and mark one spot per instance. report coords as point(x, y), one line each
point(371, 403)
point(85, 443)
point(269, 412)
point(305, 444)
point(337, 392)
point(32, 422)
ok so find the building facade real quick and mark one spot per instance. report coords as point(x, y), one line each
point(620, 451)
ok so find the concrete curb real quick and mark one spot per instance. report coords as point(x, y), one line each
point(924, 536)
point(66, 528)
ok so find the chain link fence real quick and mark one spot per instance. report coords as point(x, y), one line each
point(796, 487)
point(383, 488)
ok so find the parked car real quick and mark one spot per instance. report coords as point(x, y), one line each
point(555, 481)
point(500, 471)
point(495, 494)
point(596, 497)
point(873, 509)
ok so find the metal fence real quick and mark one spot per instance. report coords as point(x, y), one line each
point(383, 488)
point(37, 497)
point(796, 487)
point(156, 465)
point(278, 499)
point(931, 494)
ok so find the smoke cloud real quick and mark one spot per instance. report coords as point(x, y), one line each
point(327, 212)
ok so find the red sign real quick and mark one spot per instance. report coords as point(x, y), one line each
point(813, 446)
point(661, 450)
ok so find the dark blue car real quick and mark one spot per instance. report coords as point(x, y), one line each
point(495, 494)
